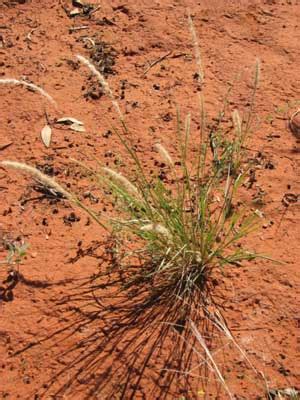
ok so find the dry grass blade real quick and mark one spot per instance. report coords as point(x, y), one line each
point(42, 178)
point(211, 359)
point(221, 325)
point(35, 88)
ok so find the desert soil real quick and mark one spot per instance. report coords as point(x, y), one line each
point(39, 41)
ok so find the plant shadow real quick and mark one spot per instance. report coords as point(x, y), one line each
point(124, 341)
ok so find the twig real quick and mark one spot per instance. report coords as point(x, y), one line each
point(78, 28)
point(178, 55)
point(28, 36)
point(94, 10)
point(64, 8)
point(42, 197)
point(5, 145)
point(47, 118)
point(156, 62)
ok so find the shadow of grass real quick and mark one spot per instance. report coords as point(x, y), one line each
point(130, 341)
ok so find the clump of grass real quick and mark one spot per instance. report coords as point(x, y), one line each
point(185, 233)
point(189, 229)
point(181, 229)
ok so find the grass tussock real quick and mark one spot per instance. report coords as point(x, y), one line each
point(171, 235)
point(188, 229)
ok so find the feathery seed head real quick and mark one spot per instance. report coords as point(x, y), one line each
point(237, 121)
point(257, 73)
point(103, 83)
point(196, 49)
point(35, 88)
point(157, 228)
point(42, 178)
point(122, 180)
point(165, 155)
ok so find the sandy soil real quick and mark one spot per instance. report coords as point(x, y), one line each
point(38, 43)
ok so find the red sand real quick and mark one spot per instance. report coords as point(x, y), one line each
point(36, 44)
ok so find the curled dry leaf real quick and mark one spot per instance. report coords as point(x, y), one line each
point(77, 3)
point(46, 134)
point(74, 12)
point(77, 128)
point(68, 121)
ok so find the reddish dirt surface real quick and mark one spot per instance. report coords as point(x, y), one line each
point(36, 44)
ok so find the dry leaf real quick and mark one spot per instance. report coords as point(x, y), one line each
point(77, 128)
point(68, 121)
point(77, 3)
point(46, 134)
point(74, 12)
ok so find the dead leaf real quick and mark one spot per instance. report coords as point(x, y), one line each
point(77, 3)
point(77, 128)
point(68, 121)
point(46, 134)
point(74, 12)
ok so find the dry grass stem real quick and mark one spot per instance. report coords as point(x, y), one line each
point(103, 83)
point(215, 368)
point(35, 88)
point(42, 178)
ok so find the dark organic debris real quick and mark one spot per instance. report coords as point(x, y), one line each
point(290, 198)
point(80, 9)
point(103, 57)
point(6, 291)
point(71, 218)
